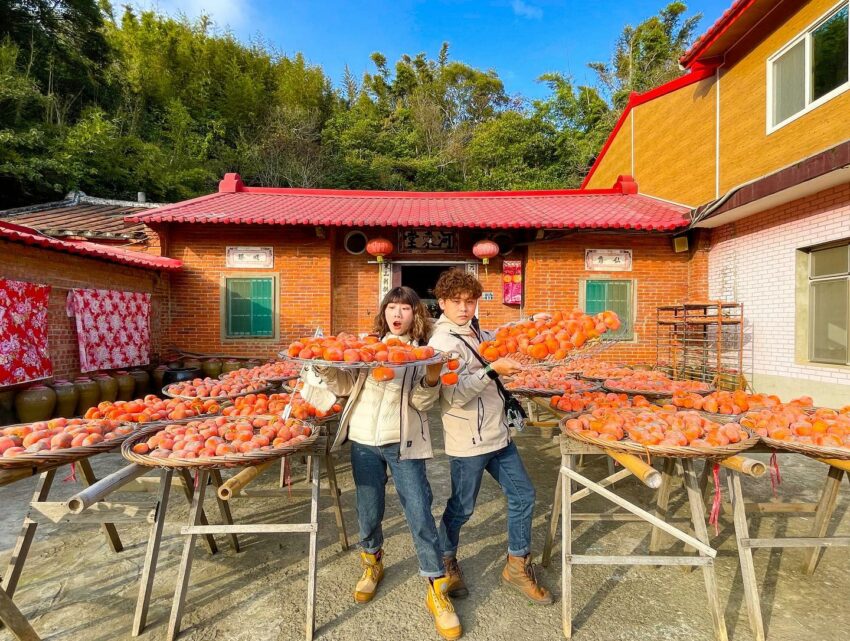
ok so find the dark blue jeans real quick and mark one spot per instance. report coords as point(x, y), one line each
point(369, 466)
point(506, 467)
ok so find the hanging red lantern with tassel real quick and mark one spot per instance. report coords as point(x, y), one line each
point(379, 247)
point(485, 250)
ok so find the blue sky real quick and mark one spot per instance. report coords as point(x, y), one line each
point(520, 39)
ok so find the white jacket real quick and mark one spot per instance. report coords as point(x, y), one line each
point(380, 413)
point(473, 410)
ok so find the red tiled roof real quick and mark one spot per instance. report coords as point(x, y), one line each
point(27, 236)
point(617, 208)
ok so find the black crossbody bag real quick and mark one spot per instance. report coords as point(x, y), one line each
point(514, 412)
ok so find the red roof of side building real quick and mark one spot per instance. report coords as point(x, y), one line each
point(28, 236)
point(618, 208)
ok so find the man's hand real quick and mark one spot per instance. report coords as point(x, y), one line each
point(506, 367)
point(544, 316)
point(432, 374)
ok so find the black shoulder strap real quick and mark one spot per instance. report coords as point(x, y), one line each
point(503, 391)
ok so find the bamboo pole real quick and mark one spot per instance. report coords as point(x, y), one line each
point(97, 491)
point(237, 482)
point(648, 475)
point(745, 465)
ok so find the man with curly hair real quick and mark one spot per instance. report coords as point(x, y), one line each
point(478, 438)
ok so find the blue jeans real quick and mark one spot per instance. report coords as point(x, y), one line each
point(506, 467)
point(369, 466)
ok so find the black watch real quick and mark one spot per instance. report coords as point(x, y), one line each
point(493, 374)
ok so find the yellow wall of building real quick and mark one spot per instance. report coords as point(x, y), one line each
point(675, 137)
point(674, 145)
point(617, 160)
point(746, 150)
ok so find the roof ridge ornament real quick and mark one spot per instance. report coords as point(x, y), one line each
point(230, 184)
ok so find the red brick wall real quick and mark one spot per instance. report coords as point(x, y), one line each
point(554, 270)
point(301, 260)
point(698, 264)
point(65, 271)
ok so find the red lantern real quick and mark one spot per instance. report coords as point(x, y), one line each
point(379, 247)
point(485, 250)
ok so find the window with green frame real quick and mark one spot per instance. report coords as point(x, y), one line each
point(614, 295)
point(249, 307)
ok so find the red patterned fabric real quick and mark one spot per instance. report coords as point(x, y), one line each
point(23, 332)
point(113, 328)
point(512, 282)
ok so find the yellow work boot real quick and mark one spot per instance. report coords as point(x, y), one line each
point(440, 606)
point(457, 586)
point(373, 572)
point(521, 574)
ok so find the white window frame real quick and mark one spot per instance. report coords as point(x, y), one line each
point(814, 279)
point(805, 35)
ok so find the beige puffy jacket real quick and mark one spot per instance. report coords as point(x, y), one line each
point(473, 410)
point(380, 413)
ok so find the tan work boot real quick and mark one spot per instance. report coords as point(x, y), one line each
point(520, 573)
point(373, 572)
point(440, 606)
point(457, 586)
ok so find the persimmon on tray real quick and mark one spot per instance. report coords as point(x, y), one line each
point(152, 408)
point(658, 432)
point(259, 404)
point(797, 427)
point(59, 440)
point(346, 350)
point(649, 383)
point(557, 380)
point(271, 372)
point(549, 340)
point(586, 401)
point(213, 388)
point(219, 442)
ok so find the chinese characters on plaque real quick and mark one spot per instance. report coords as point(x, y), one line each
point(424, 241)
point(608, 260)
point(250, 257)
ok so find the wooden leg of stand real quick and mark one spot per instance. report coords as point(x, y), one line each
point(698, 517)
point(186, 560)
point(662, 502)
point(25, 538)
point(152, 553)
point(109, 530)
point(745, 557)
point(17, 622)
point(826, 506)
point(312, 561)
point(566, 552)
point(189, 491)
point(553, 523)
point(330, 466)
point(224, 508)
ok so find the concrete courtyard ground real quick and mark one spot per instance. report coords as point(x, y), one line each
point(74, 588)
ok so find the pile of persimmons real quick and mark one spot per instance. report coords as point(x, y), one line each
point(58, 434)
point(555, 338)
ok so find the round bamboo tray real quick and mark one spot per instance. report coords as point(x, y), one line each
point(219, 462)
point(182, 397)
point(651, 394)
point(436, 358)
point(814, 451)
point(544, 393)
point(630, 447)
point(68, 455)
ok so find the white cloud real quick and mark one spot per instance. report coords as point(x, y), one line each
point(224, 13)
point(525, 10)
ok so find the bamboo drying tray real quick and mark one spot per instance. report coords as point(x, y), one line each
point(219, 399)
point(67, 455)
point(255, 457)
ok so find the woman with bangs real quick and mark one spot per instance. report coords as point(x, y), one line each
point(387, 425)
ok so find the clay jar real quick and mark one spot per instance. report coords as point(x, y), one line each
point(158, 374)
point(211, 367)
point(7, 406)
point(35, 404)
point(143, 382)
point(179, 375)
point(89, 394)
point(191, 363)
point(254, 362)
point(67, 398)
point(108, 387)
point(126, 385)
point(230, 365)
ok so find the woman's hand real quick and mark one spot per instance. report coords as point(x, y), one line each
point(506, 366)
